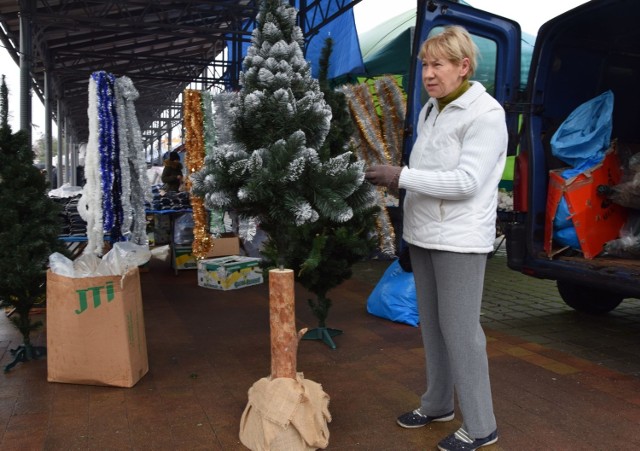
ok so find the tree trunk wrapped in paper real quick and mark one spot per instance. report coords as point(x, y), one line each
point(285, 411)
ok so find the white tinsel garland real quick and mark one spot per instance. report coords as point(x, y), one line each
point(125, 173)
point(225, 114)
point(209, 125)
point(90, 204)
point(136, 187)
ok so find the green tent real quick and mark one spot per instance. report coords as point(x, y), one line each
point(386, 49)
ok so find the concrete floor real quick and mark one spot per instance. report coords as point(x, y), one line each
point(561, 380)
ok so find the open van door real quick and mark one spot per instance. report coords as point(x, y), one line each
point(589, 50)
point(498, 40)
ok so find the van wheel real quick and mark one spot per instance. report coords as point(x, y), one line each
point(588, 299)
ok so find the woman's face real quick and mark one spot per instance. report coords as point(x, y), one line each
point(441, 77)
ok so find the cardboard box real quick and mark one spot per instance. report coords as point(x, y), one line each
point(229, 273)
point(595, 218)
point(183, 258)
point(95, 330)
point(223, 246)
point(226, 244)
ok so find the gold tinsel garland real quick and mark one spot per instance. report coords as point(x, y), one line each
point(392, 105)
point(379, 140)
point(367, 122)
point(194, 161)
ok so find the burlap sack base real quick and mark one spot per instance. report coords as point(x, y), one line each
point(285, 414)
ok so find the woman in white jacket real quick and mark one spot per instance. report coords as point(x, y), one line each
point(449, 211)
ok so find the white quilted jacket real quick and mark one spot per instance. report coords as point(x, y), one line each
point(454, 170)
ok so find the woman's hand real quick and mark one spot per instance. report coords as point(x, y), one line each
point(384, 175)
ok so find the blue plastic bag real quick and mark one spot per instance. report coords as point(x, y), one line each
point(563, 216)
point(564, 232)
point(584, 137)
point(567, 237)
point(394, 297)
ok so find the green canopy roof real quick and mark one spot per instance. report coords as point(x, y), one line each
point(386, 49)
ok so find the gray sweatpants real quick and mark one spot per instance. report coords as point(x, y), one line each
point(449, 291)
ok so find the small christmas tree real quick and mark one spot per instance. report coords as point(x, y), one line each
point(323, 252)
point(278, 168)
point(270, 170)
point(29, 229)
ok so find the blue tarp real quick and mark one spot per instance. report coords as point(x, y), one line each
point(346, 57)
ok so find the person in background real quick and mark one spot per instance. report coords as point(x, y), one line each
point(449, 210)
point(172, 172)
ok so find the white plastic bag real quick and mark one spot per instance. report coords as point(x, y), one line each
point(122, 257)
point(119, 260)
point(86, 265)
point(60, 264)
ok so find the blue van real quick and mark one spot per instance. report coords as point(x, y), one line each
point(577, 56)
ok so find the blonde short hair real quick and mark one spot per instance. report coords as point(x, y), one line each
point(454, 44)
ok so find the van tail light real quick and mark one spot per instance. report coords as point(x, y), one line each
point(521, 182)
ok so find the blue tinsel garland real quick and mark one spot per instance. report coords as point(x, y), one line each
point(109, 156)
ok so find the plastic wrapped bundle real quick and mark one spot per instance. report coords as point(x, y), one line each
point(627, 193)
point(628, 245)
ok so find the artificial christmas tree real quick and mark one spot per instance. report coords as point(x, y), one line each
point(29, 229)
point(323, 252)
point(269, 170)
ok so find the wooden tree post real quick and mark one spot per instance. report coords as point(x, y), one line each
point(282, 319)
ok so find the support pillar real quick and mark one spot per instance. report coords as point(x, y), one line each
point(48, 141)
point(26, 56)
point(59, 173)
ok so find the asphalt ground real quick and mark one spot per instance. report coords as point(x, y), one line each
point(532, 309)
point(561, 380)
